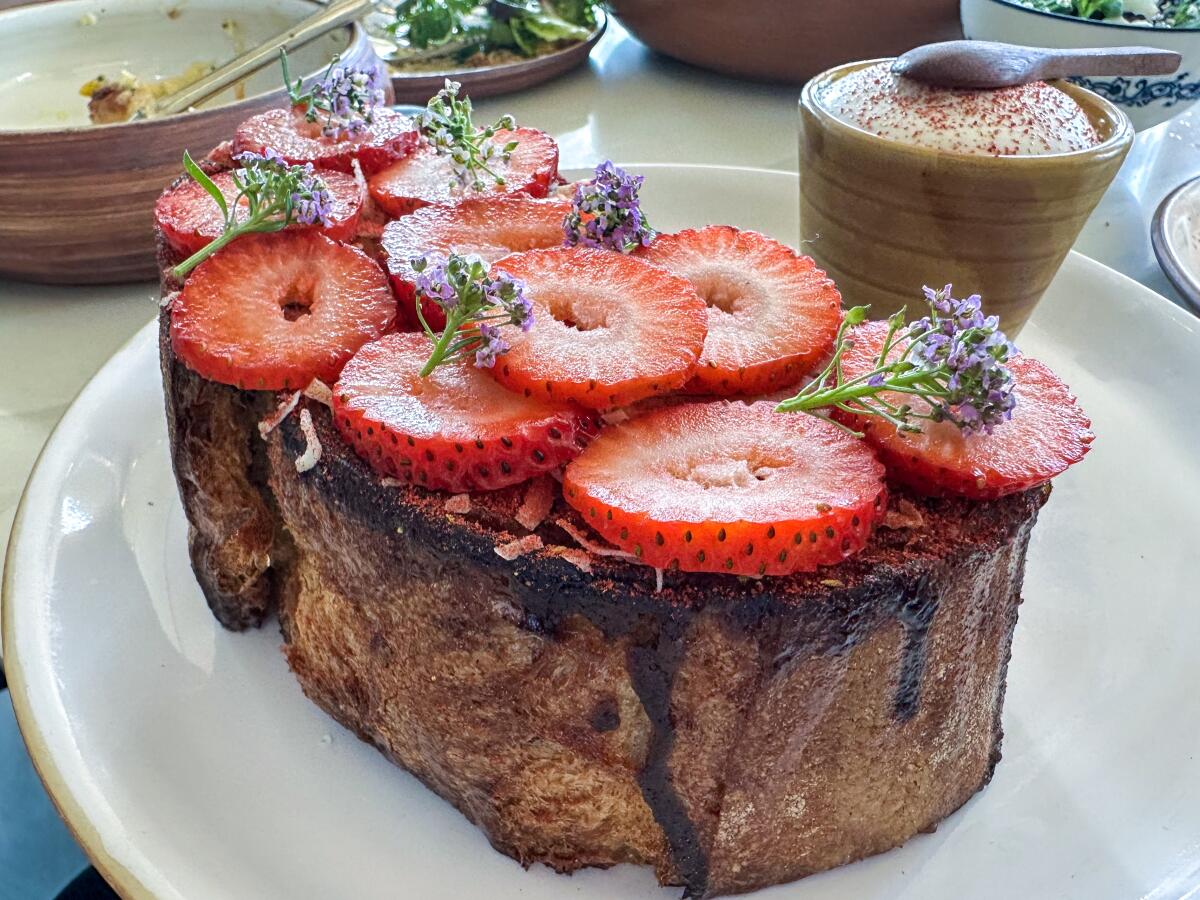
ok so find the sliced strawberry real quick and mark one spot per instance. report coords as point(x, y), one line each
point(391, 137)
point(456, 430)
point(189, 218)
point(489, 227)
point(772, 314)
point(729, 487)
point(1047, 433)
point(274, 311)
point(424, 178)
point(608, 329)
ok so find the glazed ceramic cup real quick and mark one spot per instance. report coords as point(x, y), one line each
point(884, 218)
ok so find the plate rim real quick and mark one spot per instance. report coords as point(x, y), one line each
point(83, 829)
point(1177, 273)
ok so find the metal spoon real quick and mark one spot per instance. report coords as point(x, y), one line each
point(324, 20)
point(986, 64)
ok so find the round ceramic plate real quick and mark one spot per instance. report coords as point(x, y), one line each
point(189, 764)
point(487, 81)
point(1175, 235)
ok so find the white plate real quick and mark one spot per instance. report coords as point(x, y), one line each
point(190, 765)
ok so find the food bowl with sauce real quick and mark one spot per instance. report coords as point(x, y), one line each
point(77, 197)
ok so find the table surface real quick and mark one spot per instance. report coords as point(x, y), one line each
point(628, 105)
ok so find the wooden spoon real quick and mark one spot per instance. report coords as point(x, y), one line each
point(986, 64)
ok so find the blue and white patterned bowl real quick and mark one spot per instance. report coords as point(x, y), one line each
point(1147, 100)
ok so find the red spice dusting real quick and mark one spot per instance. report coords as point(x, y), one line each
point(1030, 119)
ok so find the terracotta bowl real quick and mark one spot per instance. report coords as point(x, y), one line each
point(786, 40)
point(76, 199)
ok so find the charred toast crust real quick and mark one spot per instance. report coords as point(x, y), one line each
point(947, 591)
point(732, 733)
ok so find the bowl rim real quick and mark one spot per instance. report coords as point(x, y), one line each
point(358, 37)
point(1184, 281)
point(1016, 4)
point(417, 75)
point(1116, 143)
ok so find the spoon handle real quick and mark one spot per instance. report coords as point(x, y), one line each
point(1109, 61)
point(324, 19)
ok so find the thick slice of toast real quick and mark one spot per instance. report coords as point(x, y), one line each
point(732, 733)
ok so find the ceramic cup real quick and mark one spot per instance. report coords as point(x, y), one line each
point(884, 218)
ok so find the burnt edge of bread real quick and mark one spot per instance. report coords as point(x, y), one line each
point(242, 553)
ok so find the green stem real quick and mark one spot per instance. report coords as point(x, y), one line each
point(842, 393)
point(441, 347)
point(260, 221)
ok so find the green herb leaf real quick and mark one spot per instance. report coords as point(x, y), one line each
point(202, 179)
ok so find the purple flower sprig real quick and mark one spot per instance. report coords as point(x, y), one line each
point(446, 124)
point(344, 100)
point(476, 305)
point(271, 195)
point(953, 359)
point(606, 212)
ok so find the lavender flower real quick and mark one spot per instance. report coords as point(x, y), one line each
point(447, 127)
point(271, 194)
point(476, 306)
point(491, 345)
point(344, 100)
point(953, 359)
point(606, 212)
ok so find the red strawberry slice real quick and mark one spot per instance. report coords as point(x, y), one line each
point(489, 227)
point(729, 487)
point(190, 219)
point(1048, 432)
point(424, 178)
point(390, 137)
point(772, 314)
point(456, 430)
point(274, 311)
point(608, 329)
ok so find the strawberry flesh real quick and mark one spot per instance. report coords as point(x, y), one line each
point(190, 219)
point(489, 227)
point(456, 430)
point(608, 329)
point(1048, 433)
point(391, 137)
point(274, 311)
point(729, 487)
point(425, 177)
point(772, 314)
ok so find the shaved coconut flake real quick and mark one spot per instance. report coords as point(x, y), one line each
point(903, 515)
point(271, 422)
point(536, 506)
point(598, 550)
point(591, 547)
point(577, 558)
point(391, 482)
point(519, 547)
point(459, 503)
point(167, 300)
point(615, 417)
point(359, 178)
point(320, 392)
point(312, 452)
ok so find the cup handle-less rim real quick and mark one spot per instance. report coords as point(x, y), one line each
point(1117, 143)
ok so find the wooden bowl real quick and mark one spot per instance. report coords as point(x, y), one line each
point(786, 40)
point(77, 200)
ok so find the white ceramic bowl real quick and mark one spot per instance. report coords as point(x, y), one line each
point(1146, 100)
